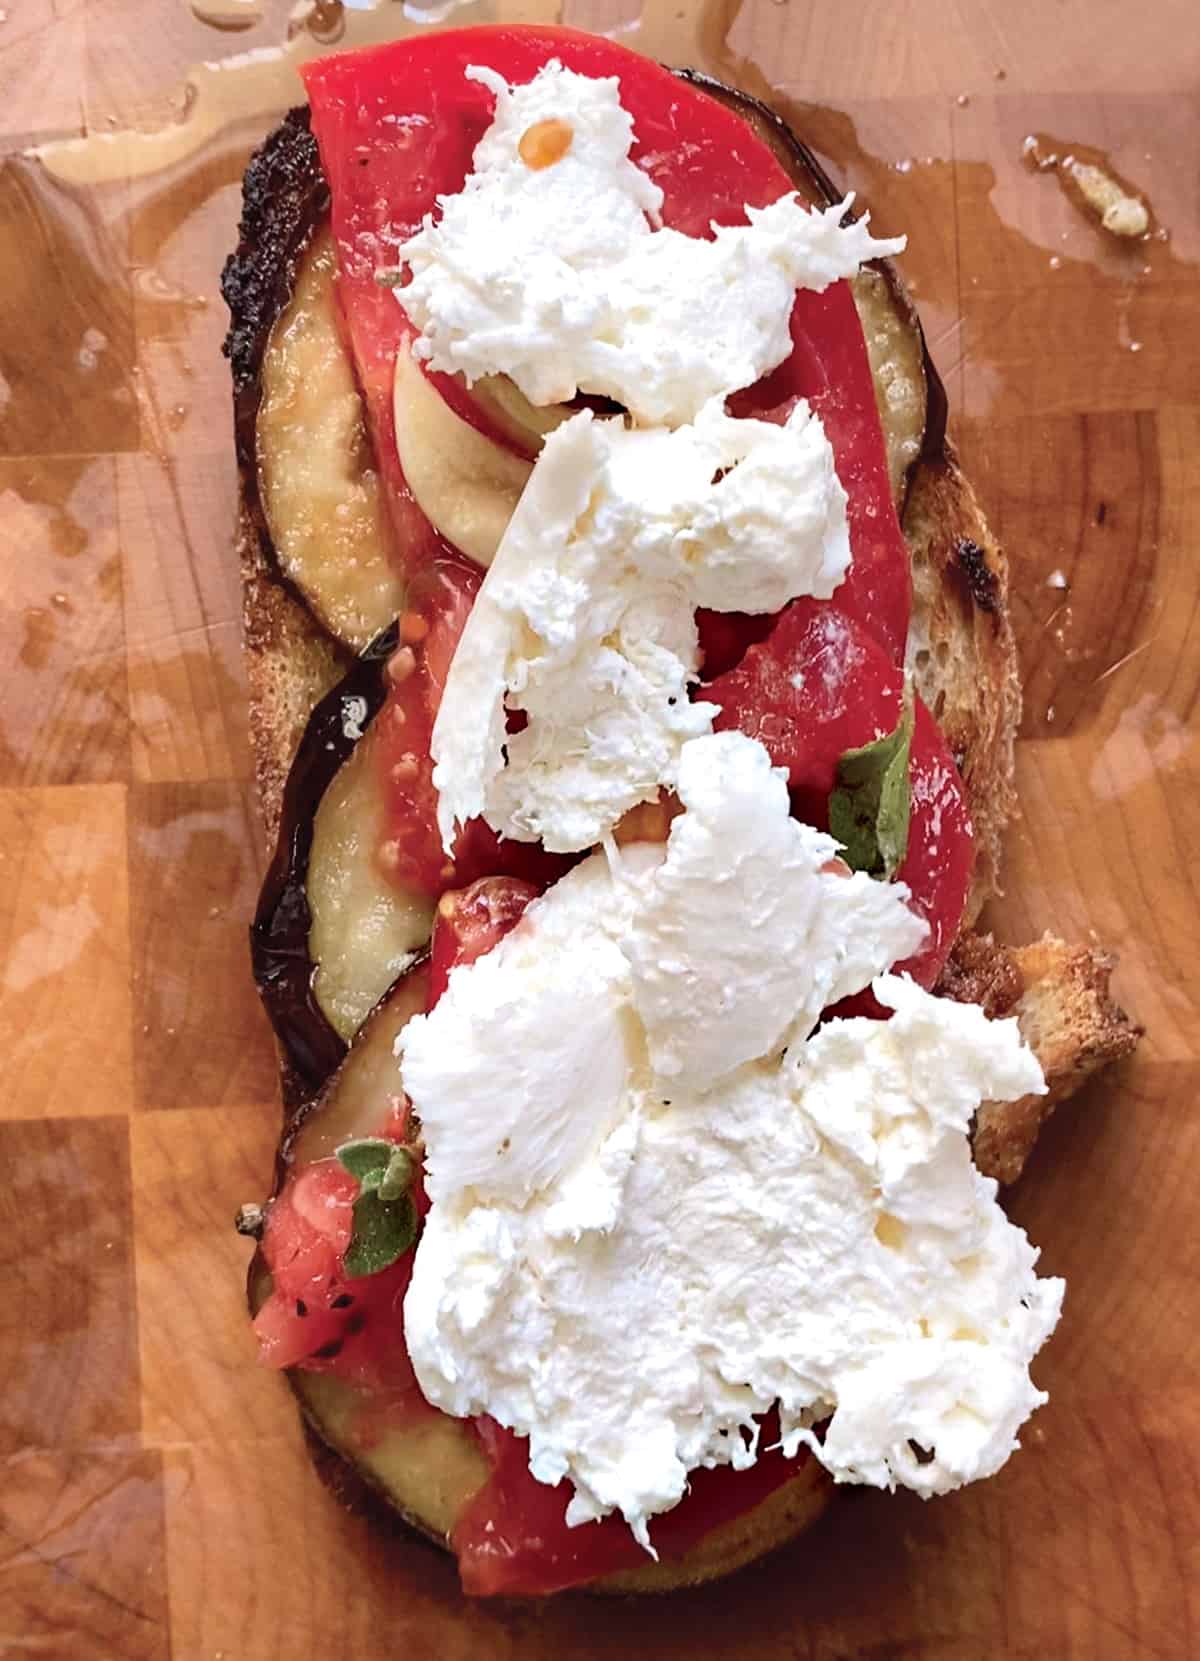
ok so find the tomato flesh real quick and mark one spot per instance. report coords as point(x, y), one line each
point(410, 852)
point(316, 1316)
point(820, 685)
point(322, 1320)
point(513, 1540)
point(470, 921)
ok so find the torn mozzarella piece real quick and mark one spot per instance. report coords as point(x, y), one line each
point(585, 620)
point(807, 1233)
point(746, 931)
point(556, 275)
point(521, 1067)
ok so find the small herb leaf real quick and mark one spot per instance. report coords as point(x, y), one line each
point(367, 1159)
point(383, 1231)
point(397, 1179)
point(869, 811)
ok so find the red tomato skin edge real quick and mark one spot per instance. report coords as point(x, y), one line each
point(819, 685)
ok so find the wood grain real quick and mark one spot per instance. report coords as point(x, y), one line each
point(156, 1499)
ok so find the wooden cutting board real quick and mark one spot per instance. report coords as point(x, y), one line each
point(156, 1499)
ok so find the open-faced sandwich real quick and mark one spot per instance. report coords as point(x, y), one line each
point(633, 695)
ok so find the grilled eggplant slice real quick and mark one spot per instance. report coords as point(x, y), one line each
point(426, 1467)
point(321, 495)
point(429, 1467)
point(465, 484)
point(331, 934)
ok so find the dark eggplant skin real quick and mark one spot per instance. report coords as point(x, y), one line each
point(279, 955)
point(285, 200)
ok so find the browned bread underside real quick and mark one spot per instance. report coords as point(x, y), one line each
point(961, 650)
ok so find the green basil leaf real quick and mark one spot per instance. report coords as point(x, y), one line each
point(383, 1231)
point(869, 811)
point(366, 1158)
point(397, 1179)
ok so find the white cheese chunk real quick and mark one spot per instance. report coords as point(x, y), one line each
point(810, 1234)
point(747, 931)
point(521, 1067)
point(555, 275)
point(630, 1265)
point(585, 620)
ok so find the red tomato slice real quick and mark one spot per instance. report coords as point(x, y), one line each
point(820, 685)
point(398, 125)
point(410, 851)
point(829, 367)
point(513, 1538)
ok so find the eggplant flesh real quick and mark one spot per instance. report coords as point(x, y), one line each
point(321, 495)
point(365, 929)
point(280, 944)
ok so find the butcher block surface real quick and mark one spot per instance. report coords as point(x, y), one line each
point(156, 1497)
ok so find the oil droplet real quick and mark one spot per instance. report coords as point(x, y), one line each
point(1055, 262)
point(963, 99)
point(228, 15)
point(93, 343)
point(325, 20)
point(1057, 579)
point(905, 165)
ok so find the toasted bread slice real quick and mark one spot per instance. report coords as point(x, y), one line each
point(962, 656)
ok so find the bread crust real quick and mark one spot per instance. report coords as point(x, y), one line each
point(962, 653)
point(963, 659)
